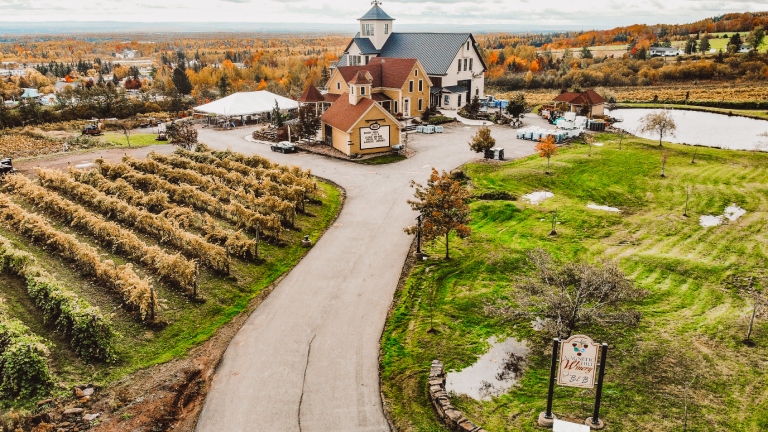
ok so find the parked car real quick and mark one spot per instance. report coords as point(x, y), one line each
point(6, 166)
point(283, 147)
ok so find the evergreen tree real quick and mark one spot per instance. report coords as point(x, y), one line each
point(586, 53)
point(704, 45)
point(223, 85)
point(181, 80)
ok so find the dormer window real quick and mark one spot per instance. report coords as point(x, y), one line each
point(368, 29)
point(362, 91)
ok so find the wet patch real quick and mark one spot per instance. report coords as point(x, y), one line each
point(538, 197)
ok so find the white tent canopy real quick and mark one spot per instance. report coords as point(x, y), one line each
point(247, 103)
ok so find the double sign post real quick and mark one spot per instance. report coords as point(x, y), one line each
point(577, 361)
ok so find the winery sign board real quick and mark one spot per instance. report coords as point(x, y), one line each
point(578, 362)
point(374, 136)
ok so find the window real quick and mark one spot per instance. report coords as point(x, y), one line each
point(386, 28)
point(421, 105)
point(396, 107)
point(338, 85)
point(465, 64)
point(477, 92)
point(447, 100)
point(421, 85)
point(368, 29)
point(362, 90)
point(355, 60)
point(351, 89)
point(459, 101)
point(467, 45)
point(470, 63)
point(415, 72)
point(367, 59)
point(459, 65)
point(410, 86)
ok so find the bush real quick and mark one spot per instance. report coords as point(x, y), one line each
point(24, 369)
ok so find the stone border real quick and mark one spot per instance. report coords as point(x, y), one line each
point(452, 417)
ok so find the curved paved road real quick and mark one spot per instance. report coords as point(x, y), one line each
point(307, 358)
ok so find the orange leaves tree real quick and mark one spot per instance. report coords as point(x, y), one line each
point(443, 207)
point(547, 148)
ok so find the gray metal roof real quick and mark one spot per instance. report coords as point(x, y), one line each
point(455, 89)
point(376, 14)
point(365, 45)
point(436, 51)
point(343, 61)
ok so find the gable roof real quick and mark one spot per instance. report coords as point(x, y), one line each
point(588, 97)
point(436, 51)
point(360, 78)
point(311, 95)
point(386, 72)
point(343, 115)
point(376, 14)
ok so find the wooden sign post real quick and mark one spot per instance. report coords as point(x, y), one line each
point(576, 364)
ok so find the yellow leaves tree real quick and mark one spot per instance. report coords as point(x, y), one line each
point(482, 141)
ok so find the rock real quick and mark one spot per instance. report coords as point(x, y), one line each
point(78, 392)
point(91, 417)
point(89, 391)
point(84, 399)
point(44, 402)
point(458, 174)
point(72, 411)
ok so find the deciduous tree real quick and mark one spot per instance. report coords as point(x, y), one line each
point(443, 207)
point(482, 141)
point(182, 133)
point(659, 122)
point(547, 147)
point(571, 295)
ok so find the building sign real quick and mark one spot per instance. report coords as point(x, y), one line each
point(374, 136)
point(578, 362)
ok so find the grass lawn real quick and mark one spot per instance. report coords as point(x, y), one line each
point(137, 140)
point(694, 318)
point(189, 322)
point(756, 114)
point(383, 160)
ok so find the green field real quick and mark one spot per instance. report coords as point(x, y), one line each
point(694, 318)
point(186, 322)
point(720, 43)
point(136, 140)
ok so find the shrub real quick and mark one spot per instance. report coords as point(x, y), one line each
point(24, 369)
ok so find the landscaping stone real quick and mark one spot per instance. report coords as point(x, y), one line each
point(453, 418)
point(72, 411)
point(88, 391)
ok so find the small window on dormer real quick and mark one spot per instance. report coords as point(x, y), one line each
point(362, 90)
point(386, 28)
point(415, 72)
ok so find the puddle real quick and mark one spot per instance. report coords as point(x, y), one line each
point(733, 212)
point(538, 197)
point(493, 374)
point(604, 208)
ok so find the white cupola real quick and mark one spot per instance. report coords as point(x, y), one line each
point(376, 25)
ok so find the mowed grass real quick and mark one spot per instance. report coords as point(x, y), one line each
point(189, 322)
point(695, 316)
point(136, 139)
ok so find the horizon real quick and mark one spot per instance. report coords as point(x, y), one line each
point(31, 16)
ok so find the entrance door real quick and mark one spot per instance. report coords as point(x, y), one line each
point(329, 135)
point(467, 84)
point(407, 107)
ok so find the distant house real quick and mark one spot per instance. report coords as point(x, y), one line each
point(451, 60)
point(665, 52)
point(745, 48)
point(30, 93)
point(586, 103)
point(13, 72)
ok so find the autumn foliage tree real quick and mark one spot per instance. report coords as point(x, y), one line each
point(182, 133)
point(547, 147)
point(482, 141)
point(443, 207)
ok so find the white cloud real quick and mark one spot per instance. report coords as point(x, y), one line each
point(546, 13)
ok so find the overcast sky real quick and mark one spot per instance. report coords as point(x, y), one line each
point(549, 13)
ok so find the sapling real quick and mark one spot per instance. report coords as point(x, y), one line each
point(664, 157)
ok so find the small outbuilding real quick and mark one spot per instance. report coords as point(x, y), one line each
point(587, 103)
point(356, 124)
